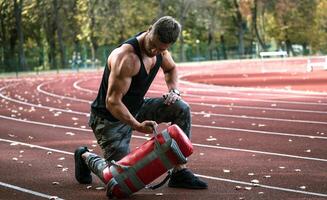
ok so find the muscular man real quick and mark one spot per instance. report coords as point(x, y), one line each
point(120, 106)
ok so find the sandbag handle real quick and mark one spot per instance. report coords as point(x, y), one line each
point(124, 167)
point(155, 133)
point(153, 187)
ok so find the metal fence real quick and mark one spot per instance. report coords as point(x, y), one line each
point(37, 60)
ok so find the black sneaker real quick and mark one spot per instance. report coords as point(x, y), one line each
point(82, 172)
point(186, 179)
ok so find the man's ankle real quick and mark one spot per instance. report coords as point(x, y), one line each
point(178, 168)
point(85, 155)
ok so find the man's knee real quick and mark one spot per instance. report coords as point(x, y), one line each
point(182, 105)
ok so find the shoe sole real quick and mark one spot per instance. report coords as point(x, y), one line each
point(77, 155)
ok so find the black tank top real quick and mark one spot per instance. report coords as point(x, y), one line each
point(134, 97)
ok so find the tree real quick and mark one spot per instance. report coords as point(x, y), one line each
point(18, 6)
point(292, 22)
point(318, 39)
point(256, 6)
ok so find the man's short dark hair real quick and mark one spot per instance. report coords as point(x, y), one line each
point(167, 29)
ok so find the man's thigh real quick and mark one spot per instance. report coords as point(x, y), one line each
point(155, 109)
point(113, 138)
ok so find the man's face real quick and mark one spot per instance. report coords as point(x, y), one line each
point(153, 46)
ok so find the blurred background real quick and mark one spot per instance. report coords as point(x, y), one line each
point(43, 35)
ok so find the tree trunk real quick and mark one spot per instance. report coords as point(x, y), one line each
point(238, 20)
point(289, 47)
point(77, 47)
point(11, 51)
point(93, 39)
point(57, 4)
point(52, 53)
point(184, 7)
point(211, 32)
point(255, 25)
point(18, 6)
point(223, 47)
point(49, 26)
point(4, 38)
point(210, 44)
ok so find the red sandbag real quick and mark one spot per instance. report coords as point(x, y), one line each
point(146, 163)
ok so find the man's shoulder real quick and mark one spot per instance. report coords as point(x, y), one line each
point(125, 51)
point(125, 59)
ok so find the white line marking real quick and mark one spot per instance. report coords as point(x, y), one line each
point(259, 132)
point(198, 113)
point(247, 99)
point(201, 104)
point(195, 144)
point(76, 86)
point(220, 97)
point(260, 152)
point(212, 105)
point(259, 108)
point(260, 118)
point(217, 105)
point(28, 191)
point(261, 185)
point(39, 89)
point(246, 89)
point(203, 176)
point(36, 146)
point(40, 106)
point(196, 125)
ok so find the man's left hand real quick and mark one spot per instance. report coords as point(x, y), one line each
point(171, 98)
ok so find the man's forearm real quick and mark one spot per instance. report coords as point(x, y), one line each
point(171, 79)
point(120, 111)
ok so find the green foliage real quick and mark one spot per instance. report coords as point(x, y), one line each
point(55, 29)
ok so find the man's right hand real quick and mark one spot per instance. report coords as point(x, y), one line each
point(146, 126)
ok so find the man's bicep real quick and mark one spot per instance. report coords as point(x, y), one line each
point(120, 77)
point(118, 86)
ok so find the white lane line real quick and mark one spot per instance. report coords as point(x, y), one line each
point(14, 187)
point(261, 185)
point(39, 89)
point(258, 132)
point(221, 105)
point(196, 113)
point(234, 98)
point(258, 108)
point(195, 144)
point(201, 104)
point(229, 89)
point(247, 89)
point(216, 105)
point(260, 152)
point(259, 118)
point(207, 104)
point(203, 176)
point(35, 146)
point(196, 125)
point(76, 86)
point(202, 97)
point(40, 106)
point(221, 97)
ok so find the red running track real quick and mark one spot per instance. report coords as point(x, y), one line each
point(261, 121)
